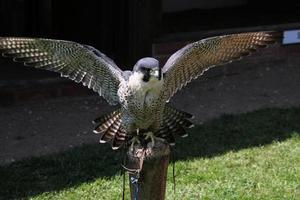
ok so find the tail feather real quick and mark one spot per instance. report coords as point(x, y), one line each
point(186, 123)
point(170, 139)
point(120, 136)
point(110, 129)
point(174, 123)
point(119, 139)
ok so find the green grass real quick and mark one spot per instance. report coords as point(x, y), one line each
point(248, 156)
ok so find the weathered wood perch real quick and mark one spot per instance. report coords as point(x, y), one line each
point(151, 183)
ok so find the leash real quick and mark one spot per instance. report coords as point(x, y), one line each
point(134, 179)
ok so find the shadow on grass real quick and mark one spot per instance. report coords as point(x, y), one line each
point(86, 163)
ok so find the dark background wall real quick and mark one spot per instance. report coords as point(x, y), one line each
point(125, 30)
point(113, 26)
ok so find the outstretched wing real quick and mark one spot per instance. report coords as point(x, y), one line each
point(78, 62)
point(194, 59)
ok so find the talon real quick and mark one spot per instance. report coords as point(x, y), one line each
point(151, 136)
point(134, 140)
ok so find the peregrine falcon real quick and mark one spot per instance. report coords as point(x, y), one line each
point(143, 93)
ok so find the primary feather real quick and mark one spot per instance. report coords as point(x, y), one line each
point(194, 59)
point(77, 62)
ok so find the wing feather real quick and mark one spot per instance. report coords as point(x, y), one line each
point(194, 59)
point(77, 62)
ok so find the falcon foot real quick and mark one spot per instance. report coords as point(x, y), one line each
point(135, 140)
point(150, 135)
point(143, 140)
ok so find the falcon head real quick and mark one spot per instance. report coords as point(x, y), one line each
point(148, 68)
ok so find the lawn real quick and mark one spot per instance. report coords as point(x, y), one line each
point(248, 156)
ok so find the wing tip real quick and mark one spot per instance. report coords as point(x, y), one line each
point(115, 148)
point(185, 135)
point(274, 37)
point(191, 126)
point(102, 141)
point(172, 144)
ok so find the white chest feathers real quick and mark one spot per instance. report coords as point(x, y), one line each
point(145, 92)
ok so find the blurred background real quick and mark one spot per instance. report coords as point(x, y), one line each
point(42, 113)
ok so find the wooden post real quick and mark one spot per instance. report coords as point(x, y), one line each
point(151, 181)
